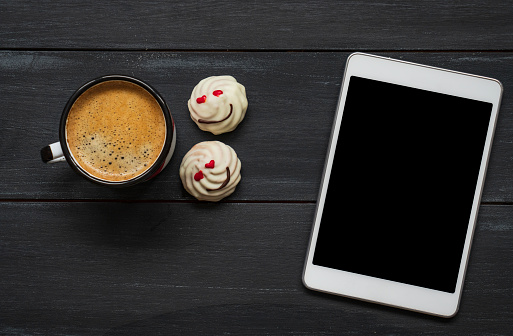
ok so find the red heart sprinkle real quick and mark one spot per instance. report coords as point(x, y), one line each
point(201, 99)
point(217, 93)
point(211, 164)
point(198, 176)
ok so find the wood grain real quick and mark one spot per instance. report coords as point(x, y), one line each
point(81, 259)
point(89, 268)
point(257, 25)
point(282, 142)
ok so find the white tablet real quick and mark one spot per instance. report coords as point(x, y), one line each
point(402, 184)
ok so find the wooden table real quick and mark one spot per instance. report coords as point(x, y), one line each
point(81, 259)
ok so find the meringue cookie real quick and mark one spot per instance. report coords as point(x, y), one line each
point(218, 104)
point(210, 171)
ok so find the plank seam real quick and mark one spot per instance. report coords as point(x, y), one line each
point(27, 200)
point(254, 50)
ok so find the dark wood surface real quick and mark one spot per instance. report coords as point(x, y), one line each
point(90, 268)
point(80, 259)
point(258, 25)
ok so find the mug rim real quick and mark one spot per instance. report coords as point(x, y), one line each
point(155, 168)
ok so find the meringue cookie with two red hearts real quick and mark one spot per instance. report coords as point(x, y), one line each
point(210, 171)
point(218, 104)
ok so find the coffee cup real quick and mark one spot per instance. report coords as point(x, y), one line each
point(116, 131)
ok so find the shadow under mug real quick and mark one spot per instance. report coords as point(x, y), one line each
point(59, 151)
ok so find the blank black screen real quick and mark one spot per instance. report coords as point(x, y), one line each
point(402, 184)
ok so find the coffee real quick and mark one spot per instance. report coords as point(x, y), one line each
point(115, 130)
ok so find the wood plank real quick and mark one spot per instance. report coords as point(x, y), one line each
point(265, 24)
point(89, 268)
point(282, 142)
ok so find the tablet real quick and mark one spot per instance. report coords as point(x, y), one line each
point(402, 184)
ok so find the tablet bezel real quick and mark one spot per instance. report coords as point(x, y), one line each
point(385, 291)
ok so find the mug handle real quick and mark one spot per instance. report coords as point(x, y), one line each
point(53, 153)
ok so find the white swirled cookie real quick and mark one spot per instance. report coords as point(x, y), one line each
point(210, 171)
point(218, 104)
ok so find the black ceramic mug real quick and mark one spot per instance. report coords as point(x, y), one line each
point(115, 130)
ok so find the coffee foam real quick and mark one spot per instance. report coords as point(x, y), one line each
point(116, 130)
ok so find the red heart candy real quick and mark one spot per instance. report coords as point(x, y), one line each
point(217, 93)
point(198, 176)
point(201, 100)
point(211, 164)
